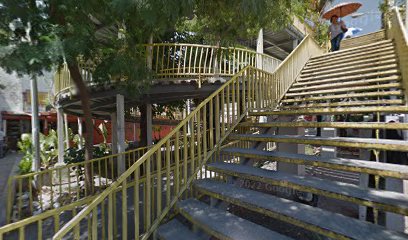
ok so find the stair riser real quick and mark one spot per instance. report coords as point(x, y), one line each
point(344, 104)
point(351, 73)
point(337, 69)
point(383, 74)
point(346, 84)
point(366, 49)
point(355, 95)
point(268, 213)
point(350, 54)
point(373, 58)
point(374, 37)
point(360, 41)
point(209, 231)
point(340, 167)
point(347, 59)
point(343, 90)
point(303, 188)
point(334, 111)
point(368, 125)
point(333, 143)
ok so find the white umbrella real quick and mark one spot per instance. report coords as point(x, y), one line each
point(351, 32)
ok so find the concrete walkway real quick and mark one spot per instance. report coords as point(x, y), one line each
point(8, 167)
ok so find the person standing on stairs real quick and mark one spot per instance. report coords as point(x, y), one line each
point(336, 32)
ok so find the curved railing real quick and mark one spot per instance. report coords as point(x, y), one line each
point(181, 61)
point(142, 206)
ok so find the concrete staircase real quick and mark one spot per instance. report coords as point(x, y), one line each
point(355, 88)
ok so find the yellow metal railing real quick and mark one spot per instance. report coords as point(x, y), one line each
point(286, 74)
point(159, 193)
point(79, 199)
point(62, 185)
point(180, 60)
point(145, 204)
point(395, 30)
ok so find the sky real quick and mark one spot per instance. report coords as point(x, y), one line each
point(370, 21)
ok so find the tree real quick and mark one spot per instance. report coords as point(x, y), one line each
point(39, 35)
point(224, 22)
point(36, 36)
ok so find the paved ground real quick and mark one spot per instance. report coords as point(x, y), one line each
point(8, 167)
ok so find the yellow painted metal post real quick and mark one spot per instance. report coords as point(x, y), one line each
point(168, 185)
point(159, 183)
point(177, 162)
point(124, 209)
point(136, 210)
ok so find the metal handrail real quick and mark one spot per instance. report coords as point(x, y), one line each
point(182, 60)
point(395, 30)
point(249, 89)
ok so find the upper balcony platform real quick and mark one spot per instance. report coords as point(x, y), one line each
point(181, 71)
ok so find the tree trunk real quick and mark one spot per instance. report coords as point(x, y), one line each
point(86, 107)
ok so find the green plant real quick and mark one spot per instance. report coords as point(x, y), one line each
point(25, 165)
point(25, 147)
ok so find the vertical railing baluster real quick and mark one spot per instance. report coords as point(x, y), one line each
point(222, 112)
point(211, 119)
point(124, 209)
point(205, 144)
point(168, 168)
point(136, 209)
point(217, 119)
point(159, 183)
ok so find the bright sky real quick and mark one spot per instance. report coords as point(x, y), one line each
point(369, 22)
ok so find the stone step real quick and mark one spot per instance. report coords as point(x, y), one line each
point(317, 86)
point(351, 51)
point(347, 89)
point(351, 73)
point(175, 230)
point(388, 73)
point(356, 125)
point(342, 69)
point(348, 95)
point(346, 104)
point(330, 224)
point(224, 225)
point(343, 164)
point(374, 51)
point(379, 56)
point(385, 200)
point(368, 143)
point(334, 111)
point(364, 39)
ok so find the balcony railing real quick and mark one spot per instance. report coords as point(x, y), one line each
point(183, 61)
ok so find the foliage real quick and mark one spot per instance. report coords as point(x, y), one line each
point(75, 155)
point(170, 109)
point(48, 150)
point(225, 22)
point(25, 147)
